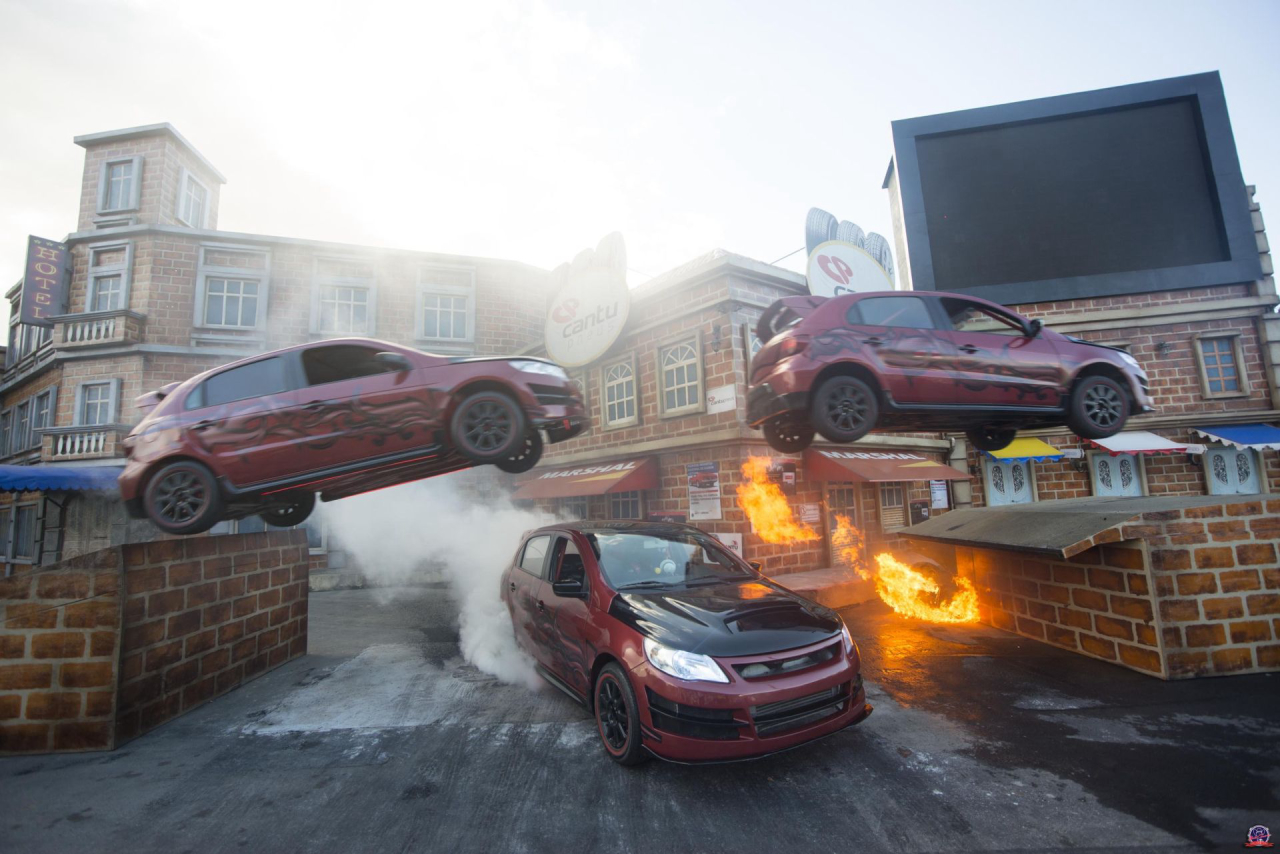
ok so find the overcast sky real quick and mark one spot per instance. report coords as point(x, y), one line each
point(529, 130)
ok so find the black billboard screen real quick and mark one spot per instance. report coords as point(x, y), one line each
point(1106, 192)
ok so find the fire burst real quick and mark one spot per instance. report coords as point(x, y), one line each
point(766, 506)
point(914, 594)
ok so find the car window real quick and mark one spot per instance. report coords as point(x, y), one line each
point(909, 312)
point(256, 379)
point(567, 561)
point(340, 362)
point(535, 555)
point(971, 317)
point(665, 558)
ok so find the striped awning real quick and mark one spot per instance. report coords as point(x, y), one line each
point(597, 479)
point(58, 478)
point(1023, 450)
point(1255, 436)
point(1141, 442)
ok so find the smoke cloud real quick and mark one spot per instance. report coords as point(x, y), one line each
point(393, 534)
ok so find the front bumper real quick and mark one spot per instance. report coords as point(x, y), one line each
point(745, 719)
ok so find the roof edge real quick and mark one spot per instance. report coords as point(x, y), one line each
point(87, 139)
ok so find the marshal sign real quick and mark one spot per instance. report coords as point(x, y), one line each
point(591, 304)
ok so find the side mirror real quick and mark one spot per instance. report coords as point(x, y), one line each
point(1034, 327)
point(755, 564)
point(392, 361)
point(570, 588)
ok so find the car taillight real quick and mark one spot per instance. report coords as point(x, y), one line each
point(791, 346)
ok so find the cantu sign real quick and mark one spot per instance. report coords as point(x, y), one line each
point(591, 304)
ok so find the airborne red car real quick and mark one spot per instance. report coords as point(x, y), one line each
point(265, 435)
point(901, 360)
point(678, 647)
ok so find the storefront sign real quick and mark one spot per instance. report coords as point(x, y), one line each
point(783, 473)
point(938, 494)
point(731, 541)
point(44, 287)
point(836, 267)
point(704, 490)
point(591, 304)
point(722, 399)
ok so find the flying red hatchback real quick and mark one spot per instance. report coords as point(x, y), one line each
point(678, 647)
point(339, 417)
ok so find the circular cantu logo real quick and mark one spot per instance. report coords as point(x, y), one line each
point(590, 310)
point(837, 267)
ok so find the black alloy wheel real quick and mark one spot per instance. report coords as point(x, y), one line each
point(991, 438)
point(788, 434)
point(617, 716)
point(844, 409)
point(488, 427)
point(525, 458)
point(1098, 408)
point(183, 498)
point(288, 515)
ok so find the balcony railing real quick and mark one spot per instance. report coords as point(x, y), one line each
point(82, 443)
point(97, 329)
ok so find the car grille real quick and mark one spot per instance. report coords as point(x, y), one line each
point(691, 721)
point(786, 666)
point(786, 715)
point(549, 395)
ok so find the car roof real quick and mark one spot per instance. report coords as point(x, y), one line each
point(310, 345)
point(618, 526)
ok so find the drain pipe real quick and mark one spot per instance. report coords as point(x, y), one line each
point(961, 490)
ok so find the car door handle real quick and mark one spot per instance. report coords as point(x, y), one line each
point(874, 342)
point(315, 406)
point(541, 606)
point(968, 348)
point(511, 586)
point(202, 425)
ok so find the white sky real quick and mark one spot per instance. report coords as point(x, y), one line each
point(529, 130)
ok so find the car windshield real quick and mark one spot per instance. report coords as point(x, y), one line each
point(665, 559)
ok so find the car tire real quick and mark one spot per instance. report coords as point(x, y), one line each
point(183, 498)
point(618, 716)
point(991, 438)
point(526, 458)
point(289, 515)
point(487, 427)
point(788, 435)
point(844, 409)
point(1098, 408)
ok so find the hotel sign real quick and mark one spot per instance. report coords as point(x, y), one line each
point(44, 287)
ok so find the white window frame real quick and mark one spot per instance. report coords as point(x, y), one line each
point(204, 272)
point(1237, 354)
point(188, 177)
point(636, 495)
point(113, 403)
point(52, 393)
point(428, 288)
point(1093, 473)
point(6, 531)
point(988, 463)
point(880, 505)
point(22, 432)
point(1259, 467)
point(699, 402)
point(750, 343)
point(632, 364)
point(571, 512)
point(320, 282)
point(10, 551)
point(6, 432)
point(135, 190)
point(124, 270)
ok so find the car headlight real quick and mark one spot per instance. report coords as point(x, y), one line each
point(1130, 361)
point(848, 638)
point(688, 666)
point(531, 367)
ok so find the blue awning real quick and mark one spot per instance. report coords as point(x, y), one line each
point(58, 478)
point(1256, 436)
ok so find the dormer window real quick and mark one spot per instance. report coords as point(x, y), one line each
point(119, 185)
point(193, 201)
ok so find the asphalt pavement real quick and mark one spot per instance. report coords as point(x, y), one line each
point(384, 739)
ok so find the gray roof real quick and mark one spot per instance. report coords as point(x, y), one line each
point(88, 139)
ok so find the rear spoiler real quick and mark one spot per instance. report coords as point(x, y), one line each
point(150, 400)
point(800, 306)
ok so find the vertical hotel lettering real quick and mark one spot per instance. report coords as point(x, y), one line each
point(45, 285)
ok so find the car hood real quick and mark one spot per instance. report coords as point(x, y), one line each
point(749, 618)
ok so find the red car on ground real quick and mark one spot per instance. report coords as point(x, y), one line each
point(339, 417)
point(901, 360)
point(678, 647)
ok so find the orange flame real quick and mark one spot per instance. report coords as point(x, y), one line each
point(914, 594)
point(767, 508)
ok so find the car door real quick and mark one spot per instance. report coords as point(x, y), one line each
point(353, 407)
point(238, 417)
point(997, 363)
point(900, 334)
point(524, 589)
point(569, 656)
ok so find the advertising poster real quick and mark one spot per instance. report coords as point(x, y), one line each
point(938, 494)
point(732, 541)
point(722, 399)
point(809, 513)
point(704, 490)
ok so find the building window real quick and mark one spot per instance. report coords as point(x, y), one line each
point(96, 403)
point(22, 426)
point(119, 185)
point(1232, 471)
point(751, 343)
point(44, 409)
point(625, 505)
point(343, 297)
point(231, 302)
point(193, 201)
point(1220, 360)
point(680, 378)
point(1116, 476)
point(618, 385)
point(6, 431)
point(24, 339)
point(446, 304)
point(1008, 482)
point(574, 509)
point(893, 506)
point(232, 287)
point(109, 268)
point(344, 309)
point(23, 539)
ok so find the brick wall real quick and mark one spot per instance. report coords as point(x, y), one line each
point(1173, 593)
point(202, 615)
point(59, 647)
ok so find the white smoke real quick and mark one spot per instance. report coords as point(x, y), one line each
point(393, 534)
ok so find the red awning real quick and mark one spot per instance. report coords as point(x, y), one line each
point(876, 466)
point(597, 479)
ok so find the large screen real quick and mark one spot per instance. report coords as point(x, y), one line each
point(1112, 191)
